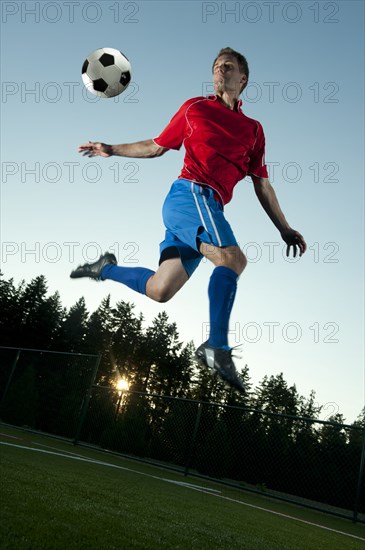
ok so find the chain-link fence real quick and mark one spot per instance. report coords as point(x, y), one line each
point(45, 390)
point(314, 463)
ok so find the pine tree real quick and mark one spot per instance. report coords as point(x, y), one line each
point(162, 339)
point(127, 341)
point(10, 318)
point(99, 339)
point(41, 317)
point(72, 332)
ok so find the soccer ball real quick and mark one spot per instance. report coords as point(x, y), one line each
point(106, 72)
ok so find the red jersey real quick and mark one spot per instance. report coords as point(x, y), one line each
point(221, 146)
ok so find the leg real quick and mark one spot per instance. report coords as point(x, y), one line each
point(167, 280)
point(229, 263)
point(160, 286)
point(231, 257)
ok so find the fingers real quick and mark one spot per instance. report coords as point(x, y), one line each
point(302, 245)
point(86, 145)
point(295, 239)
point(302, 248)
point(88, 149)
point(294, 250)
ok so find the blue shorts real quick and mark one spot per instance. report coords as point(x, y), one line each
point(192, 215)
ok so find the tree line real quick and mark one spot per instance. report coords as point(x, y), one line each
point(152, 359)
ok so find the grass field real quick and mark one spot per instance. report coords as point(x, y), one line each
point(57, 496)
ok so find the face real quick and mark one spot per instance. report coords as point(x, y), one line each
point(226, 75)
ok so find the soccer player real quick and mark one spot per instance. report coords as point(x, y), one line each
point(222, 146)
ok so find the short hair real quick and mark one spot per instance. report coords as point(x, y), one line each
point(241, 60)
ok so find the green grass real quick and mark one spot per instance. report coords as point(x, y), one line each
point(53, 502)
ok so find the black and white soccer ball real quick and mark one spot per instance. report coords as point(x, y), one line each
point(106, 72)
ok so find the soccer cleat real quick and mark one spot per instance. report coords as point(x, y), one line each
point(93, 270)
point(220, 361)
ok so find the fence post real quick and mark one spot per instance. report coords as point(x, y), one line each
point(86, 401)
point(360, 479)
point(193, 439)
point(10, 376)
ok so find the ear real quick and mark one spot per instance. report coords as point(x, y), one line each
point(243, 79)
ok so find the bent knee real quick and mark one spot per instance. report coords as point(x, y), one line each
point(241, 263)
point(160, 293)
point(235, 260)
point(162, 296)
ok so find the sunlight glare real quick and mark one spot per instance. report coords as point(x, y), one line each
point(122, 384)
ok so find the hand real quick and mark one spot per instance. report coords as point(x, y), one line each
point(294, 239)
point(95, 149)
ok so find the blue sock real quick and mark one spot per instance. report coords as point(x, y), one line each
point(134, 277)
point(221, 292)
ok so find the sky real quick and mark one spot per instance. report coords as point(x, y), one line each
point(303, 317)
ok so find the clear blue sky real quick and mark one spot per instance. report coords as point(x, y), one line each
point(302, 318)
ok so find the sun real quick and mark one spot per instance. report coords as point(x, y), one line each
point(122, 384)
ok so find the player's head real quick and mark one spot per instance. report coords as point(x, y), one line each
point(228, 54)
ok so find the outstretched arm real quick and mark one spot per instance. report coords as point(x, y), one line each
point(140, 149)
point(268, 199)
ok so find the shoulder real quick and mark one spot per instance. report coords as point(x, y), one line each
point(195, 101)
point(200, 98)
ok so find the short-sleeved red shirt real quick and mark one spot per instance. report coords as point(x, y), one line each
point(221, 146)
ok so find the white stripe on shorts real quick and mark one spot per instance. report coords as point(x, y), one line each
point(209, 214)
point(212, 221)
point(198, 207)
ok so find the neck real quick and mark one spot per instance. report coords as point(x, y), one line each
point(229, 100)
